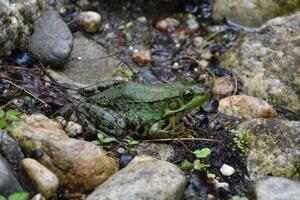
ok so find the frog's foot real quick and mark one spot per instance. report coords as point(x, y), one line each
point(160, 130)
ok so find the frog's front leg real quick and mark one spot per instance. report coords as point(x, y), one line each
point(161, 129)
point(102, 119)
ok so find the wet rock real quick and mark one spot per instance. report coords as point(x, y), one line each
point(143, 178)
point(273, 147)
point(224, 86)
point(142, 57)
point(88, 63)
point(161, 25)
point(252, 13)
point(124, 160)
point(8, 182)
point(274, 188)
point(197, 189)
point(10, 148)
point(78, 164)
point(87, 4)
point(192, 23)
point(246, 107)
point(38, 197)
point(73, 129)
point(267, 62)
point(90, 21)
point(159, 151)
point(51, 42)
point(44, 181)
point(16, 23)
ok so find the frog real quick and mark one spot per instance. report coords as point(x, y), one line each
point(141, 110)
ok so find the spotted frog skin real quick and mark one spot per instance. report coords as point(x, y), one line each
point(135, 109)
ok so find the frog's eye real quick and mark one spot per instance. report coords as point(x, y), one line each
point(173, 104)
point(188, 95)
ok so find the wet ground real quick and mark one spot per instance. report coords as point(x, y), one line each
point(25, 85)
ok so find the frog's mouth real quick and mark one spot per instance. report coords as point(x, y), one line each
point(187, 107)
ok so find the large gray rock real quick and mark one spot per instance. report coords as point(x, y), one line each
point(8, 182)
point(267, 61)
point(16, 22)
point(252, 13)
point(89, 62)
point(274, 188)
point(143, 178)
point(273, 147)
point(51, 41)
point(78, 164)
point(10, 148)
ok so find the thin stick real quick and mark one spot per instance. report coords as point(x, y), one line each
point(183, 139)
point(17, 86)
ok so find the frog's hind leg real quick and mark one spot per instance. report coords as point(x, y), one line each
point(103, 119)
point(98, 87)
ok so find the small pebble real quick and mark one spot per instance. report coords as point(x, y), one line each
point(38, 197)
point(203, 63)
point(227, 170)
point(61, 120)
point(124, 160)
point(142, 57)
point(142, 19)
point(207, 55)
point(222, 185)
point(43, 179)
point(172, 22)
point(198, 41)
point(73, 129)
point(162, 25)
point(90, 21)
point(192, 23)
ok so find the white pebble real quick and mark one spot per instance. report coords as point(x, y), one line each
point(73, 129)
point(227, 170)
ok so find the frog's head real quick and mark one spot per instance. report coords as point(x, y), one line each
point(190, 96)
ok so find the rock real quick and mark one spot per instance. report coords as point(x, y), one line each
point(274, 188)
point(273, 147)
point(227, 170)
point(124, 160)
point(51, 41)
point(143, 178)
point(90, 21)
point(197, 188)
point(162, 25)
point(142, 57)
point(10, 148)
point(44, 181)
point(159, 151)
point(88, 63)
point(17, 18)
point(198, 41)
point(87, 4)
point(78, 164)
point(192, 23)
point(246, 107)
point(73, 129)
point(8, 182)
point(252, 13)
point(267, 62)
point(38, 197)
point(224, 86)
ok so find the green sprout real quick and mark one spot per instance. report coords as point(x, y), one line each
point(16, 196)
point(102, 139)
point(6, 118)
point(125, 30)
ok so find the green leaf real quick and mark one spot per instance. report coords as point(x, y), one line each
point(185, 164)
point(121, 27)
point(199, 166)
point(2, 123)
point(2, 197)
point(128, 36)
point(129, 24)
point(13, 115)
point(9, 128)
point(100, 137)
point(96, 142)
point(203, 153)
point(132, 142)
point(109, 139)
point(2, 113)
point(211, 175)
point(19, 196)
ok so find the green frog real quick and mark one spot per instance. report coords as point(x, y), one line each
point(135, 109)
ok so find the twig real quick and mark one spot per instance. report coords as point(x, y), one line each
point(34, 96)
point(182, 139)
point(214, 117)
point(236, 84)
